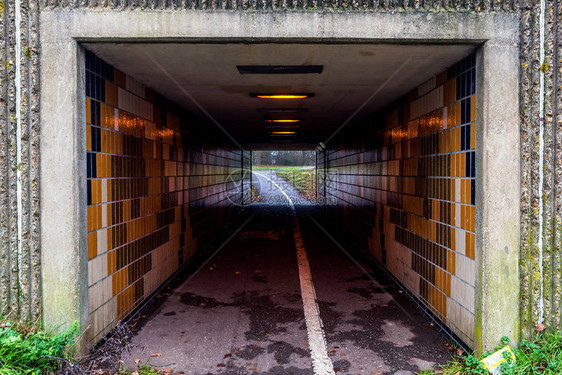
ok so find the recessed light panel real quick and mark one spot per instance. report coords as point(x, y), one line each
point(283, 121)
point(282, 110)
point(282, 96)
point(280, 69)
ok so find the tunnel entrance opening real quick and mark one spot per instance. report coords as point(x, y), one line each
point(179, 135)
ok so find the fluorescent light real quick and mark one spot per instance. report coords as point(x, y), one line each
point(282, 126)
point(282, 96)
point(280, 69)
point(283, 121)
point(282, 110)
point(283, 133)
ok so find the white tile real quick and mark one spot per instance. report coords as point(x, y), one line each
point(460, 241)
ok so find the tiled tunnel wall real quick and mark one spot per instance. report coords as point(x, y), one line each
point(403, 182)
point(156, 191)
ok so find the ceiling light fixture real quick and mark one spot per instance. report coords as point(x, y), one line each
point(283, 121)
point(283, 133)
point(282, 96)
point(282, 110)
point(282, 126)
point(280, 69)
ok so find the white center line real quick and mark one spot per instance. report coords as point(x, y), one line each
point(321, 363)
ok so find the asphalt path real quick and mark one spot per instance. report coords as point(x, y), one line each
point(243, 312)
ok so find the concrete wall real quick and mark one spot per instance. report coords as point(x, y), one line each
point(20, 250)
point(541, 165)
point(27, 236)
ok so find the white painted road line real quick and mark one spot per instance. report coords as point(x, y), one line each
point(321, 362)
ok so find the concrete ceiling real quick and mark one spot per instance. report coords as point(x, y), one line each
point(206, 74)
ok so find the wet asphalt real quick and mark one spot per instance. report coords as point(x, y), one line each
point(242, 313)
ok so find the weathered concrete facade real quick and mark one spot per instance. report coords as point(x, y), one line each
point(541, 164)
point(20, 265)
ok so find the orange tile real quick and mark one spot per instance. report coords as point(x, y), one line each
point(107, 166)
point(88, 138)
point(458, 112)
point(90, 221)
point(98, 190)
point(462, 171)
point(92, 245)
point(99, 165)
point(88, 111)
point(451, 262)
point(95, 194)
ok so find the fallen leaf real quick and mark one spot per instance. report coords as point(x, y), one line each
point(460, 352)
point(227, 356)
point(156, 354)
point(332, 351)
point(540, 328)
point(137, 361)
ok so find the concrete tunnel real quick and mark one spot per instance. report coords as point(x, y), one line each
point(147, 133)
point(170, 128)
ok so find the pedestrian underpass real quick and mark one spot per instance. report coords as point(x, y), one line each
point(169, 165)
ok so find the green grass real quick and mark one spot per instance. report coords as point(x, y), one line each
point(278, 168)
point(540, 355)
point(304, 180)
point(145, 370)
point(26, 350)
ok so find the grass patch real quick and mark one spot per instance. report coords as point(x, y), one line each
point(146, 370)
point(256, 196)
point(540, 355)
point(26, 350)
point(304, 180)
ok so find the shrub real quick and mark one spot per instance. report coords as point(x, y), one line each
point(25, 350)
point(540, 355)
